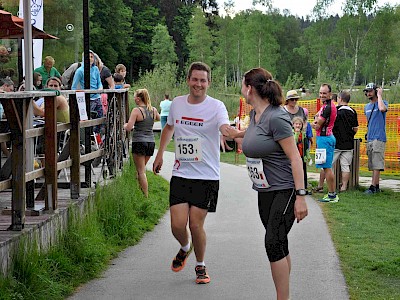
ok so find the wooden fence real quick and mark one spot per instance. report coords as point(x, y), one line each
point(14, 173)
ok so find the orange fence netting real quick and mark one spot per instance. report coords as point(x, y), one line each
point(392, 153)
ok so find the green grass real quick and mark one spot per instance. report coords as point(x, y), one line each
point(365, 231)
point(118, 217)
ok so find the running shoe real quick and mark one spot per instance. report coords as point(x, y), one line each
point(326, 198)
point(179, 262)
point(371, 190)
point(202, 275)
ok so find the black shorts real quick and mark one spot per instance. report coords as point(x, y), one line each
point(276, 211)
point(197, 192)
point(143, 148)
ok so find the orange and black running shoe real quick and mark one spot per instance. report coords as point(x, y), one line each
point(179, 262)
point(202, 275)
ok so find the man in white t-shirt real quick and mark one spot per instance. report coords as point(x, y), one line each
point(195, 121)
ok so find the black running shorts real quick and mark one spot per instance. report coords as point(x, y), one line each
point(197, 192)
point(143, 148)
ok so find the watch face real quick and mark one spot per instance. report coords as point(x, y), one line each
point(301, 192)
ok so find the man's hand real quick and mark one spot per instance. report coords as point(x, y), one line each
point(157, 164)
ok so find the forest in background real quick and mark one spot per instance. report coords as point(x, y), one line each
point(357, 47)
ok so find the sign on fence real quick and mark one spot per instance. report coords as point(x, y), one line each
point(80, 98)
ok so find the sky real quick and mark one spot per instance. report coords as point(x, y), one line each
point(300, 8)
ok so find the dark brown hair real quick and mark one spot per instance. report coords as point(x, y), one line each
point(265, 85)
point(200, 66)
point(345, 96)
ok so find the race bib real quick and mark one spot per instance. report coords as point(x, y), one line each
point(255, 170)
point(188, 149)
point(320, 156)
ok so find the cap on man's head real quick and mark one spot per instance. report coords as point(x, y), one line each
point(370, 86)
point(292, 94)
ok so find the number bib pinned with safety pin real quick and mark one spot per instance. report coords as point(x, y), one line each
point(188, 149)
point(320, 156)
point(255, 169)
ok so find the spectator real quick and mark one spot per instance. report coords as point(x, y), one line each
point(142, 120)
point(37, 81)
point(95, 84)
point(121, 69)
point(105, 74)
point(375, 112)
point(323, 124)
point(119, 81)
point(48, 70)
point(292, 107)
point(165, 106)
point(294, 110)
point(61, 102)
point(6, 86)
point(68, 75)
point(346, 126)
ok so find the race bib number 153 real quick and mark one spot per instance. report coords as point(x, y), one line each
point(188, 149)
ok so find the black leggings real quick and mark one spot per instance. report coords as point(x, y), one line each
point(276, 209)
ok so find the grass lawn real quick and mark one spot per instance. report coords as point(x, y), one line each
point(365, 231)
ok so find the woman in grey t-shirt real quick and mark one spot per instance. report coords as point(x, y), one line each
point(141, 121)
point(275, 168)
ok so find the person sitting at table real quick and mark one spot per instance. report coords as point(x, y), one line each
point(6, 86)
point(62, 105)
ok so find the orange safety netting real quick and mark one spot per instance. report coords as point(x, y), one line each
point(392, 152)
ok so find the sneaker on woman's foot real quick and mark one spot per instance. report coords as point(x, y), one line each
point(202, 275)
point(178, 263)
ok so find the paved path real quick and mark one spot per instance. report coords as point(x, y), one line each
point(235, 256)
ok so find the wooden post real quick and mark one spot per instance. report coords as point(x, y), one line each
point(75, 147)
point(354, 181)
point(15, 110)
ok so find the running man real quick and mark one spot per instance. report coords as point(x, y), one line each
point(195, 121)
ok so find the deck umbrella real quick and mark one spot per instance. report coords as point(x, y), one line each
point(12, 27)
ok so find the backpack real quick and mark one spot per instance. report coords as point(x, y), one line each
point(68, 75)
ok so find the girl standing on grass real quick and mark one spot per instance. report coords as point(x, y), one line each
point(141, 121)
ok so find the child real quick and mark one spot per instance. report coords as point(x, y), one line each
point(119, 81)
point(121, 69)
point(301, 143)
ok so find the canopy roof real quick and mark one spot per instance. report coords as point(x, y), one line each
point(12, 27)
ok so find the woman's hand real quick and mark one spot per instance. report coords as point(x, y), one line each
point(300, 208)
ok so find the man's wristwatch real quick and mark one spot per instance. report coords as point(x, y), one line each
point(301, 192)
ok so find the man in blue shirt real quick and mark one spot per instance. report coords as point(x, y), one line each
point(375, 112)
point(95, 84)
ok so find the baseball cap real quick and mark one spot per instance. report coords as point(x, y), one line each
point(370, 86)
point(292, 94)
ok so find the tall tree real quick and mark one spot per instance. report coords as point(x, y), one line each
point(163, 47)
point(110, 30)
point(138, 57)
point(199, 39)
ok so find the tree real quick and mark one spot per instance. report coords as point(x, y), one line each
point(199, 39)
point(163, 47)
point(138, 55)
point(110, 30)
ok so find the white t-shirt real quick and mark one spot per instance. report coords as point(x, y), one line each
point(197, 137)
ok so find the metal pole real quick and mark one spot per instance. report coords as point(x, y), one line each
point(28, 54)
point(88, 130)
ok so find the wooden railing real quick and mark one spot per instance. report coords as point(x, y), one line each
point(22, 182)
